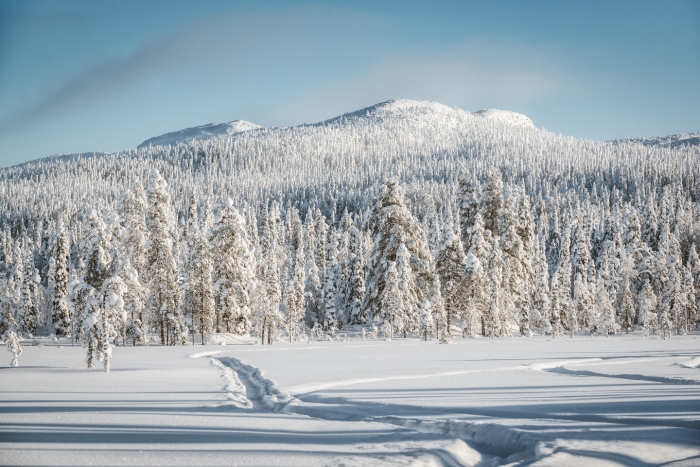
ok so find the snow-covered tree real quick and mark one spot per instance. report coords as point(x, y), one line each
point(540, 296)
point(357, 278)
point(161, 268)
point(294, 302)
point(407, 285)
point(647, 309)
point(494, 281)
point(627, 310)
point(60, 313)
point(392, 302)
point(199, 294)
point(606, 313)
point(426, 326)
point(392, 224)
point(13, 345)
point(330, 319)
point(233, 270)
point(450, 264)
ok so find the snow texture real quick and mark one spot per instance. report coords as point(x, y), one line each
point(670, 141)
point(204, 132)
point(623, 400)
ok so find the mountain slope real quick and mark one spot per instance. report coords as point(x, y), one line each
point(405, 109)
point(212, 130)
point(670, 141)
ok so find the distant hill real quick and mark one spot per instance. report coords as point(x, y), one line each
point(212, 130)
point(670, 141)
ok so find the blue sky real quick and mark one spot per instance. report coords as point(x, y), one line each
point(78, 76)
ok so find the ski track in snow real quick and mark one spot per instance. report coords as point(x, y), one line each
point(498, 444)
point(692, 363)
point(559, 367)
point(259, 392)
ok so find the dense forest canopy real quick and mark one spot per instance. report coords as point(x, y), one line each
point(408, 215)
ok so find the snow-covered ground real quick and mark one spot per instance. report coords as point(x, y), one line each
point(534, 401)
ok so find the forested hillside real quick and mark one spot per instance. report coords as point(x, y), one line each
point(408, 216)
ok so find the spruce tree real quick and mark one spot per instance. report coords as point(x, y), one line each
point(426, 326)
point(407, 285)
point(647, 305)
point(450, 264)
point(295, 296)
point(357, 279)
point(60, 313)
point(392, 302)
point(13, 345)
point(494, 277)
point(391, 225)
point(606, 313)
point(199, 296)
point(233, 268)
point(540, 296)
point(330, 319)
point(161, 267)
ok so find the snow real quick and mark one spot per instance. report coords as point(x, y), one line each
point(670, 141)
point(506, 116)
point(403, 109)
point(204, 132)
point(589, 401)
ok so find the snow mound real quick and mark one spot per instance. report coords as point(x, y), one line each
point(506, 116)
point(210, 131)
point(670, 141)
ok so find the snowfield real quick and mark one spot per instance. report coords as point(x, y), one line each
point(622, 400)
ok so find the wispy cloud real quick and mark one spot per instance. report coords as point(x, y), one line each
point(287, 65)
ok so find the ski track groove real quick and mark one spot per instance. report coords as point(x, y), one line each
point(498, 443)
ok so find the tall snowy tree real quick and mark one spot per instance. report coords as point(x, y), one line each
point(647, 305)
point(60, 314)
point(393, 224)
point(233, 269)
point(161, 268)
point(407, 285)
point(295, 296)
point(450, 263)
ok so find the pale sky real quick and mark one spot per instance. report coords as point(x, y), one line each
point(79, 76)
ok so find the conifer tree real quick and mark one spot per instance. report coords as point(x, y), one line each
point(392, 302)
point(357, 280)
point(627, 312)
point(450, 265)
point(494, 275)
point(476, 299)
point(295, 296)
point(426, 327)
point(647, 305)
point(563, 275)
point(606, 313)
point(199, 296)
point(540, 296)
point(408, 288)
point(13, 345)
point(437, 306)
point(60, 314)
point(313, 287)
point(330, 320)
point(690, 300)
point(468, 204)
point(491, 202)
point(233, 269)
point(161, 267)
point(393, 224)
